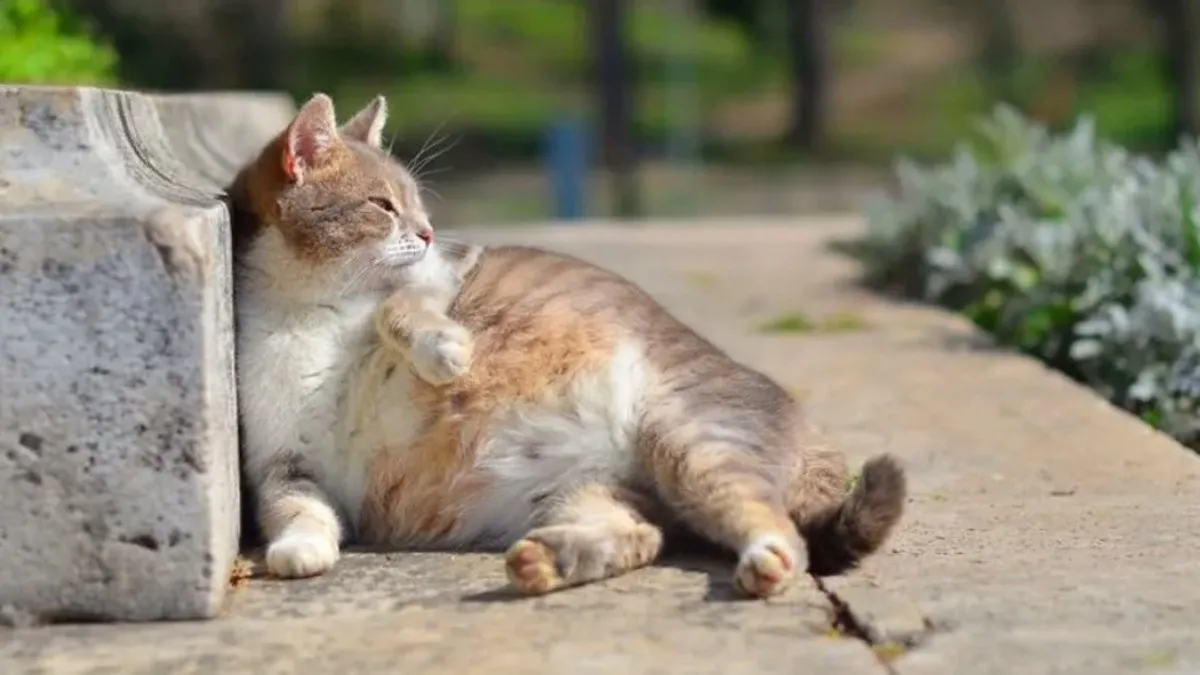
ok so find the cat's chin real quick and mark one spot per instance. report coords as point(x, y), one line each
point(409, 258)
point(403, 273)
point(414, 259)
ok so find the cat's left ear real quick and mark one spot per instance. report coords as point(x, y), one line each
point(367, 124)
point(309, 138)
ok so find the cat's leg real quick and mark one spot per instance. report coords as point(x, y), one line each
point(297, 519)
point(727, 494)
point(413, 322)
point(819, 479)
point(585, 535)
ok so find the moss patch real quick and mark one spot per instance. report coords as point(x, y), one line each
point(702, 279)
point(889, 651)
point(797, 322)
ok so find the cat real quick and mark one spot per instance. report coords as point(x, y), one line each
point(400, 390)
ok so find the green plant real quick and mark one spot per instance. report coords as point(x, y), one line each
point(795, 322)
point(1067, 247)
point(788, 323)
point(38, 46)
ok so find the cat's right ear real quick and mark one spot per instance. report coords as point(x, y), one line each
point(367, 124)
point(309, 138)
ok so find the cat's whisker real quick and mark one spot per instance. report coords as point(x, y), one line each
point(360, 270)
point(430, 142)
point(434, 172)
point(435, 193)
point(418, 169)
point(452, 241)
point(436, 148)
point(349, 282)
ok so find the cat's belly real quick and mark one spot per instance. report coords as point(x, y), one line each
point(588, 434)
point(477, 481)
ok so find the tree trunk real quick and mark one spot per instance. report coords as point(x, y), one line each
point(1179, 61)
point(613, 79)
point(811, 67)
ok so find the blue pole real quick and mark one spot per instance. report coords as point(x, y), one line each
point(567, 161)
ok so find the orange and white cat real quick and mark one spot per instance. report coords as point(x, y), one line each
point(397, 390)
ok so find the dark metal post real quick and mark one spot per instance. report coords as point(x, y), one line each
point(606, 23)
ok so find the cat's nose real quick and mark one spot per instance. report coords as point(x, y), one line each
point(425, 234)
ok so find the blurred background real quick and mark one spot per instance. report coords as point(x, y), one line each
point(538, 109)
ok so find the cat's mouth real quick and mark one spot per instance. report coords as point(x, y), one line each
point(405, 252)
point(417, 255)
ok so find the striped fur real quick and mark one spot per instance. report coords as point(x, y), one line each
point(502, 398)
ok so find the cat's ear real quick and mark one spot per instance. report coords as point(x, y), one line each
point(367, 124)
point(309, 138)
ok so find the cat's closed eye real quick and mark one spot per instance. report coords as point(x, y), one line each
point(386, 204)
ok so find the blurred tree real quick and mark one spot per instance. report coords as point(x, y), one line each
point(161, 47)
point(259, 43)
point(444, 29)
point(1178, 18)
point(607, 21)
point(745, 13)
point(811, 69)
point(39, 45)
point(999, 53)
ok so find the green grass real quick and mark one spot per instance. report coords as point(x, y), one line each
point(521, 65)
point(1132, 102)
point(792, 322)
point(702, 279)
point(796, 322)
point(858, 48)
point(1124, 91)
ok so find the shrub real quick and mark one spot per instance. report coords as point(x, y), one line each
point(1065, 246)
point(38, 47)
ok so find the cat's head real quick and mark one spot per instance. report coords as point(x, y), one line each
point(329, 207)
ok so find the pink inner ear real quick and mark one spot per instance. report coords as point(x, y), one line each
point(308, 139)
point(291, 167)
point(309, 142)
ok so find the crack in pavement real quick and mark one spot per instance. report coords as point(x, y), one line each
point(887, 649)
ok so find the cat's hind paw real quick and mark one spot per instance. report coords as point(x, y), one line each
point(442, 355)
point(531, 569)
point(301, 554)
point(765, 568)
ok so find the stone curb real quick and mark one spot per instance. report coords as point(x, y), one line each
point(118, 435)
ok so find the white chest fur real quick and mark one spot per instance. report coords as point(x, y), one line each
point(296, 372)
point(313, 379)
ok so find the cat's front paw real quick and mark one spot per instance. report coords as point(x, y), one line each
point(296, 555)
point(443, 354)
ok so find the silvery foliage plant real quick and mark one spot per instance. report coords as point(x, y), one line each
point(1070, 248)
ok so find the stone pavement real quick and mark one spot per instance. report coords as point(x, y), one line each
point(1046, 532)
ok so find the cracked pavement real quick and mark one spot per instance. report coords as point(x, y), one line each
point(1046, 531)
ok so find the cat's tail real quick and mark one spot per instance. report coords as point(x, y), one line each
point(840, 535)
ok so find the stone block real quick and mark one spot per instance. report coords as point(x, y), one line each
point(118, 434)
